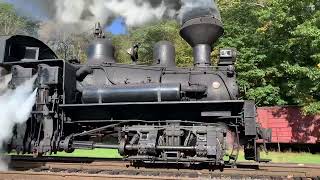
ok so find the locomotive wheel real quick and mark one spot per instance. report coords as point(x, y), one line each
point(122, 147)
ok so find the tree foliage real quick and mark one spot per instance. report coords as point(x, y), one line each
point(71, 46)
point(149, 35)
point(11, 23)
point(279, 47)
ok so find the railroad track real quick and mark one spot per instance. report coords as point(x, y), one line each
point(97, 168)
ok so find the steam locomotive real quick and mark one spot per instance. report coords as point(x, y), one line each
point(157, 114)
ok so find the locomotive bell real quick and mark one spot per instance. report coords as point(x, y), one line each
point(164, 54)
point(200, 33)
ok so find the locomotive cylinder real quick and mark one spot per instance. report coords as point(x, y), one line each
point(132, 93)
point(164, 54)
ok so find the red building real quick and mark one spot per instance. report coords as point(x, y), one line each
point(289, 125)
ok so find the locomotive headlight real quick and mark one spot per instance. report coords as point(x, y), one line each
point(226, 53)
point(227, 56)
point(216, 85)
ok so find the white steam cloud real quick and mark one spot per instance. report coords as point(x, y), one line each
point(136, 14)
point(75, 16)
point(80, 15)
point(15, 108)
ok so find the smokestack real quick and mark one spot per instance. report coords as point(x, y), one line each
point(200, 33)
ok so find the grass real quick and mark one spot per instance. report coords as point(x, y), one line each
point(290, 157)
point(277, 157)
point(287, 157)
point(97, 153)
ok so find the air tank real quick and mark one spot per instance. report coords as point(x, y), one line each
point(164, 54)
point(132, 93)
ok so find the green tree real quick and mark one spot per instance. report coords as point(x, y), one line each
point(278, 42)
point(71, 46)
point(11, 23)
point(150, 34)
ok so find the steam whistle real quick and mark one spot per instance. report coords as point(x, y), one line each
point(98, 32)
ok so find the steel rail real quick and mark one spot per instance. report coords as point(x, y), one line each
point(99, 168)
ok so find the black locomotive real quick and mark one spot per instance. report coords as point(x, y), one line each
point(158, 113)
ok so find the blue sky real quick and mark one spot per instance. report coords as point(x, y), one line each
point(117, 27)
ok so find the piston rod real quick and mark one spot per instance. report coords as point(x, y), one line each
point(93, 145)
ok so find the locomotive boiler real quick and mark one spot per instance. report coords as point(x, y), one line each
point(158, 114)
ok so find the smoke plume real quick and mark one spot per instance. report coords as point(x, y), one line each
point(66, 16)
point(4, 81)
point(15, 108)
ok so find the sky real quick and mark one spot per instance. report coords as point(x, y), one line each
point(28, 7)
point(117, 27)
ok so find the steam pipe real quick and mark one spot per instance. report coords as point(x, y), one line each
point(83, 72)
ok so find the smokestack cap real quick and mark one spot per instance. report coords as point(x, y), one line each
point(202, 30)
